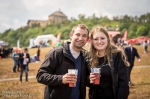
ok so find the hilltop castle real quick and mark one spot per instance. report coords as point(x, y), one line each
point(55, 17)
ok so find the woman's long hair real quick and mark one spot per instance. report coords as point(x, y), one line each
point(110, 49)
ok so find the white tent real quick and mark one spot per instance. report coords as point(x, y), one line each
point(31, 43)
point(2, 43)
point(44, 38)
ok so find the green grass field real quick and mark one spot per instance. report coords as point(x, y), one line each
point(34, 90)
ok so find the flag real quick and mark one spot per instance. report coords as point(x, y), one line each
point(58, 36)
point(18, 44)
point(125, 35)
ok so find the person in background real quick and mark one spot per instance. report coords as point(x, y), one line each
point(29, 59)
point(19, 63)
point(38, 54)
point(24, 60)
point(121, 47)
point(111, 61)
point(35, 57)
point(131, 52)
point(10, 51)
point(51, 44)
point(15, 57)
point(145, 44)
point(1, 52)
point(59, 44)
point(54, 70)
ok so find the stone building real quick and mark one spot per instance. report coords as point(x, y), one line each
point(55, 17)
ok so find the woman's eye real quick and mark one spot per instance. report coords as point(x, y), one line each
point(95, 39)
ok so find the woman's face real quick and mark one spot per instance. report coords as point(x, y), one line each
point(99, 41)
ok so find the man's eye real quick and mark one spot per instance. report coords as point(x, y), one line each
point(84, 35)
point(77, 34)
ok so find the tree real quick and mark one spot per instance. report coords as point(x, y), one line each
point(131, 34)
point(148, 17)
point(148, 34)
point(133, 27)
point(143, 18)
point(116, 18)
point(65, 31)
point(5, 33)
point(73, 19)
point(81, 17)
point(142, 31)
point(124, 25)
point(126, 18)
point(136, 19)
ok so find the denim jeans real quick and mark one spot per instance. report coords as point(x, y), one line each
point(15, 65)
point(24, 68)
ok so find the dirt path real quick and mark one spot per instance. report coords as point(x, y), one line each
point(8, 79)
point(30, 77)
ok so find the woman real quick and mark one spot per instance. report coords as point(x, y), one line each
point(112, 61)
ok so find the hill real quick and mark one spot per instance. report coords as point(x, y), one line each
point(136, 26)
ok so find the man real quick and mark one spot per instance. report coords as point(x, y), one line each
point(15, 57)
point(131, 53)
point(24, 59)
point(54, 69)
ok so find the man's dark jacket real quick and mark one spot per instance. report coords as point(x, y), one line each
point(56, 64)
point(131, 56)
point(21, 59)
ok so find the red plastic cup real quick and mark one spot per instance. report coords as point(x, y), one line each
point(72, 71)
point(97, 80)
point(72, 85)
point(96, 71)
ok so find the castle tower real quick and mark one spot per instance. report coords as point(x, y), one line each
point(55, 17)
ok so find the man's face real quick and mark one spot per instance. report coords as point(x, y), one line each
point(25, 51)
point(79, 38)
point(131, 44)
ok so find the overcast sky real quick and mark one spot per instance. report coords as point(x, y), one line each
point(16, 13)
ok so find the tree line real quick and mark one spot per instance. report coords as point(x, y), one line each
point(136, 26)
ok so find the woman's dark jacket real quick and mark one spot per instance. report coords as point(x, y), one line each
point(119, 79)
point(56, 64)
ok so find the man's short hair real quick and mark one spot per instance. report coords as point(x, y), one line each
point(81, 26)
point(25, 49)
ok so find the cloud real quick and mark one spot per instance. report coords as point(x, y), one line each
point(5, 25)
point(4, 22)
point(16, 13)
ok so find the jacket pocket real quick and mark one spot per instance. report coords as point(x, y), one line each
point(92, 92)
point(60, 92)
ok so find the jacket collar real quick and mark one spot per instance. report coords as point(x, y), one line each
point(66, 49)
